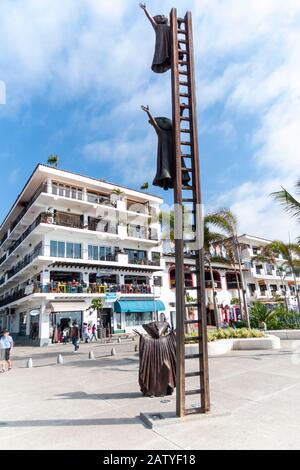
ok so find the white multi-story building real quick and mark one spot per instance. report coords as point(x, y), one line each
point(69, 239)
point(265, 281)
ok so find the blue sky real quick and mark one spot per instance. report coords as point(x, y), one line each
point(76, 73)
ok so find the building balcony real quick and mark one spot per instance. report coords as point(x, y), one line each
point(68, 289)
point(47, 194)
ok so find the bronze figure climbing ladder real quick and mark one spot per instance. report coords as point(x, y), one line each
point(187, 198)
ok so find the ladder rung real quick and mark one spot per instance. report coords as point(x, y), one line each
point(186, 131)
point(183, 72)
point(193, 356)
point(193, 288)
point(187, 119)
point(188, 200)
point(182, 41)
point(181, 51)
point(186, 143)
point(185, 106)
point(183, 62)
point(181, 31)
point(187, 188)
point(193, 304)
point(187, 170)
point(183, 83)
point(191, 322)
point(194, 374)
point(198, 391)
point(192, 411)
point(186, 155)
point(193, 338)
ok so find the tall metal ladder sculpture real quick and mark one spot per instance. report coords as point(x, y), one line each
point(187, 200)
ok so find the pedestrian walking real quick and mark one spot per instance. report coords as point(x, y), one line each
point(75, 336)
point(6, 344)
point(85, 333)
point(65, 335)
point(94, 333)
point(90, 332)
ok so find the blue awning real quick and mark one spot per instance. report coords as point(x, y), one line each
point(136, 306)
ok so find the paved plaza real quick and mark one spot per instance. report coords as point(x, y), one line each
point(96, 404)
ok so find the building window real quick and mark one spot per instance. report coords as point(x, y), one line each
point(134, 319)
point(252, 288)
point(135, 255)
point(65, 250)
point(258, 269)
point(188, 278)
point(101, 253)
point(263, 289)
point(217, 280)
point(269, 269)
point(233, 280)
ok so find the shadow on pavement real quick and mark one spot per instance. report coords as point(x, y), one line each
point(97, 396)
point(75, 422)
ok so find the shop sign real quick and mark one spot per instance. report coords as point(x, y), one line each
point(34, 313)
point(111, 297)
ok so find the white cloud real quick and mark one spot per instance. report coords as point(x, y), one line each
point(247, 63)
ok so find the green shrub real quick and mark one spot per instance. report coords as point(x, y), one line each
point(278, 318)
point(231, 333)
point(260, 313)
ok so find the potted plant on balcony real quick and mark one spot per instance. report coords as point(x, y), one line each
point(116, 195)
point(53, 160)
point(50, 216)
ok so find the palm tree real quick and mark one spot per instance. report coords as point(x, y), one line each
point(53, 160)
point(233, 248)
point(215, 220)
point(290, 253)
point(290, 203)
point(211, 238)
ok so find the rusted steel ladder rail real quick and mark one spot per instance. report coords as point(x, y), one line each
point(187, 163)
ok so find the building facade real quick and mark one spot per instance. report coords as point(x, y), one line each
point(69, 239)
point(265, 281)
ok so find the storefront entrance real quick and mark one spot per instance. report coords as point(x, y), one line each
point(104, 323)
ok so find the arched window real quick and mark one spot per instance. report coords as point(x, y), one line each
point(233, 280)
point(217, 280)
point(188, 277)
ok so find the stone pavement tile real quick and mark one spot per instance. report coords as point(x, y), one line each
point(254, 384)
point(102, 431)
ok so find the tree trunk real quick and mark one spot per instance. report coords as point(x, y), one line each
point(216, 310)
point(243, 286)
point(284, 295)
point(296, 290)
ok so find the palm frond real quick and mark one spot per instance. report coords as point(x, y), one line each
point(289, 203)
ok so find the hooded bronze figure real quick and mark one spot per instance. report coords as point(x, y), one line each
point(166, 167)
point(162, 54)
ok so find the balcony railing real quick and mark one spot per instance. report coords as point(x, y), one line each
point(41, 189)
point(142, 232)
point(71, 288)
point(38, 251)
